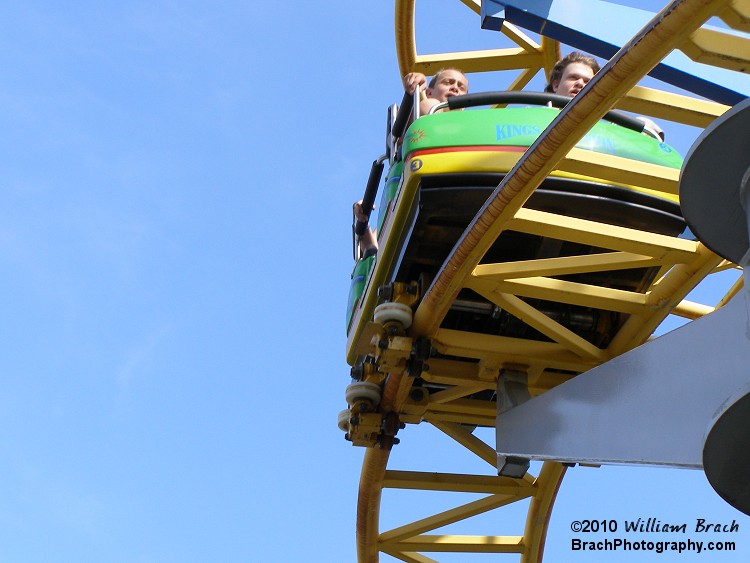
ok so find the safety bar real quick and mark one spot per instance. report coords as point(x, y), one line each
point(536, 98)
point(368, 201)
point(402, 117)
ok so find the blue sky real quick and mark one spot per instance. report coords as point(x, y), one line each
point(175, 254)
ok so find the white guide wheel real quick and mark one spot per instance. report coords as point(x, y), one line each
point(362, 391)
point(388, 312)
point(344, 420)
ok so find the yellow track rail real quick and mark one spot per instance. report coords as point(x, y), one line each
point(682, 264)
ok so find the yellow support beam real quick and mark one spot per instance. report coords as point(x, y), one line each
point(572, 293)
point(457, 392)
point(519, 37)
point(474, 5)
point(458, 544)
point(737, 16)
point(541, 322)
point(566, 265)
point(691, 310)
point(722, 50)
point(457, 482)
point(671, 106)
point(394, 538)
point(465, 375)
point(537, 519)
point(411, 557)
point(605, 236)
point(457, 417)
point(468, 407)
point(666, 294)
point(509, 350)
point(479, 61)
point(619, 170)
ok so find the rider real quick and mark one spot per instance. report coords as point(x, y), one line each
point(368, 242)
point(447, 82)
point(571, 73)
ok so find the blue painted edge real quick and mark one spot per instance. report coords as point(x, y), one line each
point(492, 15)
point(535, 16)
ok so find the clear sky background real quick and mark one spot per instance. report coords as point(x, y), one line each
point(175, 251)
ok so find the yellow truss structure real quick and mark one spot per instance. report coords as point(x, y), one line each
point(682, 264)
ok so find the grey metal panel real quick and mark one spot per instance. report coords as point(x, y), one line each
point(651, 406)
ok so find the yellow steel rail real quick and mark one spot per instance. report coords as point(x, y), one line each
point(681, 263)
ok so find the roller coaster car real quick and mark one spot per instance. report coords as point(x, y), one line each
point(448, 165)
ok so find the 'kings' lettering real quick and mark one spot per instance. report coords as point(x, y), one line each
point(508, 131)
